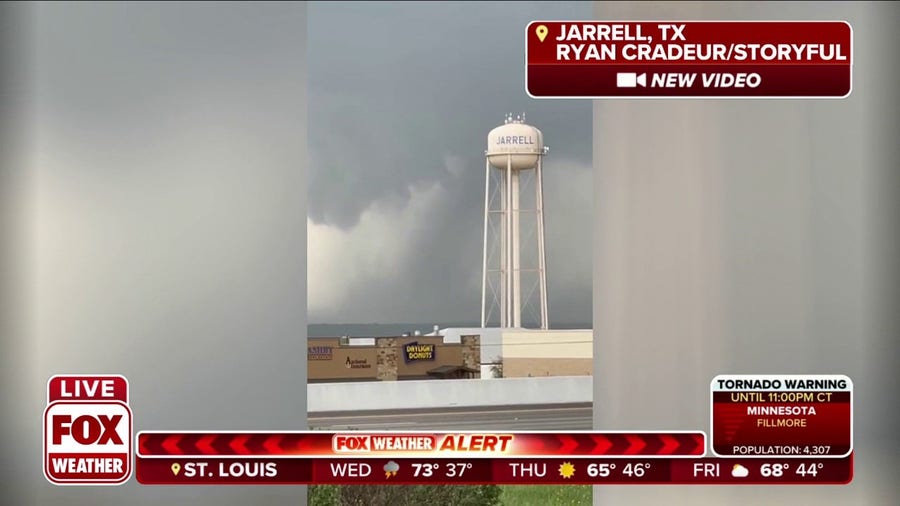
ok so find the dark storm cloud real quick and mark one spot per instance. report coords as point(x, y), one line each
point(396, 89)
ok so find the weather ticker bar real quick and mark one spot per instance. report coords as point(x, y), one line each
point(476, 471)
point(766, 429)
point(689, 59)
point(463, 444)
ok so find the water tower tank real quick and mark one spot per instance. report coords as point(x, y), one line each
point(524, 142)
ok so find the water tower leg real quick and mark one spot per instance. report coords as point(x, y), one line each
point(542, 258)
point(484, 266)
point(510, 245)
point(501, 237)
point(516, 252)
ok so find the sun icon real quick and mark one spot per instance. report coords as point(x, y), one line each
point(566, 470)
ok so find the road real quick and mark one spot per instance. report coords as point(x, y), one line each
point(529, 417)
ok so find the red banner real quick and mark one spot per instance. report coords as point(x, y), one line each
point(782, 415)
point(606, 59)
point(419, 444)
point(474, 471)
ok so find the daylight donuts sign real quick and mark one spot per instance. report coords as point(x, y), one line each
point(415, 352)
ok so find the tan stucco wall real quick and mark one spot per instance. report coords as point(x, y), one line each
point(335, 367)
point(535, 367)
point(547, 344)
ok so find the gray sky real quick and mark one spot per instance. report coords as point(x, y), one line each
point(397, 132)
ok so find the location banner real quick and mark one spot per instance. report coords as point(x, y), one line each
point(725, 59)
point(782, 415)
point(423, 444)
point(472, 471)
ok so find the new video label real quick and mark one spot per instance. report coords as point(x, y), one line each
point(87, 430)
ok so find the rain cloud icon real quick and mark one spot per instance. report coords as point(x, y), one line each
point(391, 468)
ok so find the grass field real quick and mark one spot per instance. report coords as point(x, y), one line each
point(543, 495)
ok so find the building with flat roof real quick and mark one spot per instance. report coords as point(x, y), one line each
point(530, 352)
point(331, 360)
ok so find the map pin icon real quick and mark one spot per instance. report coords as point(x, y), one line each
point(176, 467)
point(541, 32)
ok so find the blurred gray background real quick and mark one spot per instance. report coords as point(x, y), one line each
point(750, 236)
point(160, 232)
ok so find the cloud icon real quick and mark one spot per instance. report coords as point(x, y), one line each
point(391, 468)
point(739, 471)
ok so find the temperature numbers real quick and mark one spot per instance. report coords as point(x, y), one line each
point(773, 470)
point(599, 470)
point(635, 469)
point(456, 469)
point(810, 469)
point(778, 470)
point(450, 469)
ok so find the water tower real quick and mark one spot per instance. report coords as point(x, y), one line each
point(514, 267)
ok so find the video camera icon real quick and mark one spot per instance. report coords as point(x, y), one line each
point(630, 80)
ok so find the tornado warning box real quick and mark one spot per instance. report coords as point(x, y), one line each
point(87, 430)
point(782, 416)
